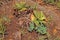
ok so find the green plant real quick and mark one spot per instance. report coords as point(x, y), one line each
point(39, 15)
point(23, 6)
point(38, 18)
point(41, 29)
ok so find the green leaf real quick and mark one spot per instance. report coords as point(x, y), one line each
point(23, 9)
point(39, 15)
point(31, 27)
point(34, 19)
point(41, 29)
point(42, 16)
point(36, 22)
